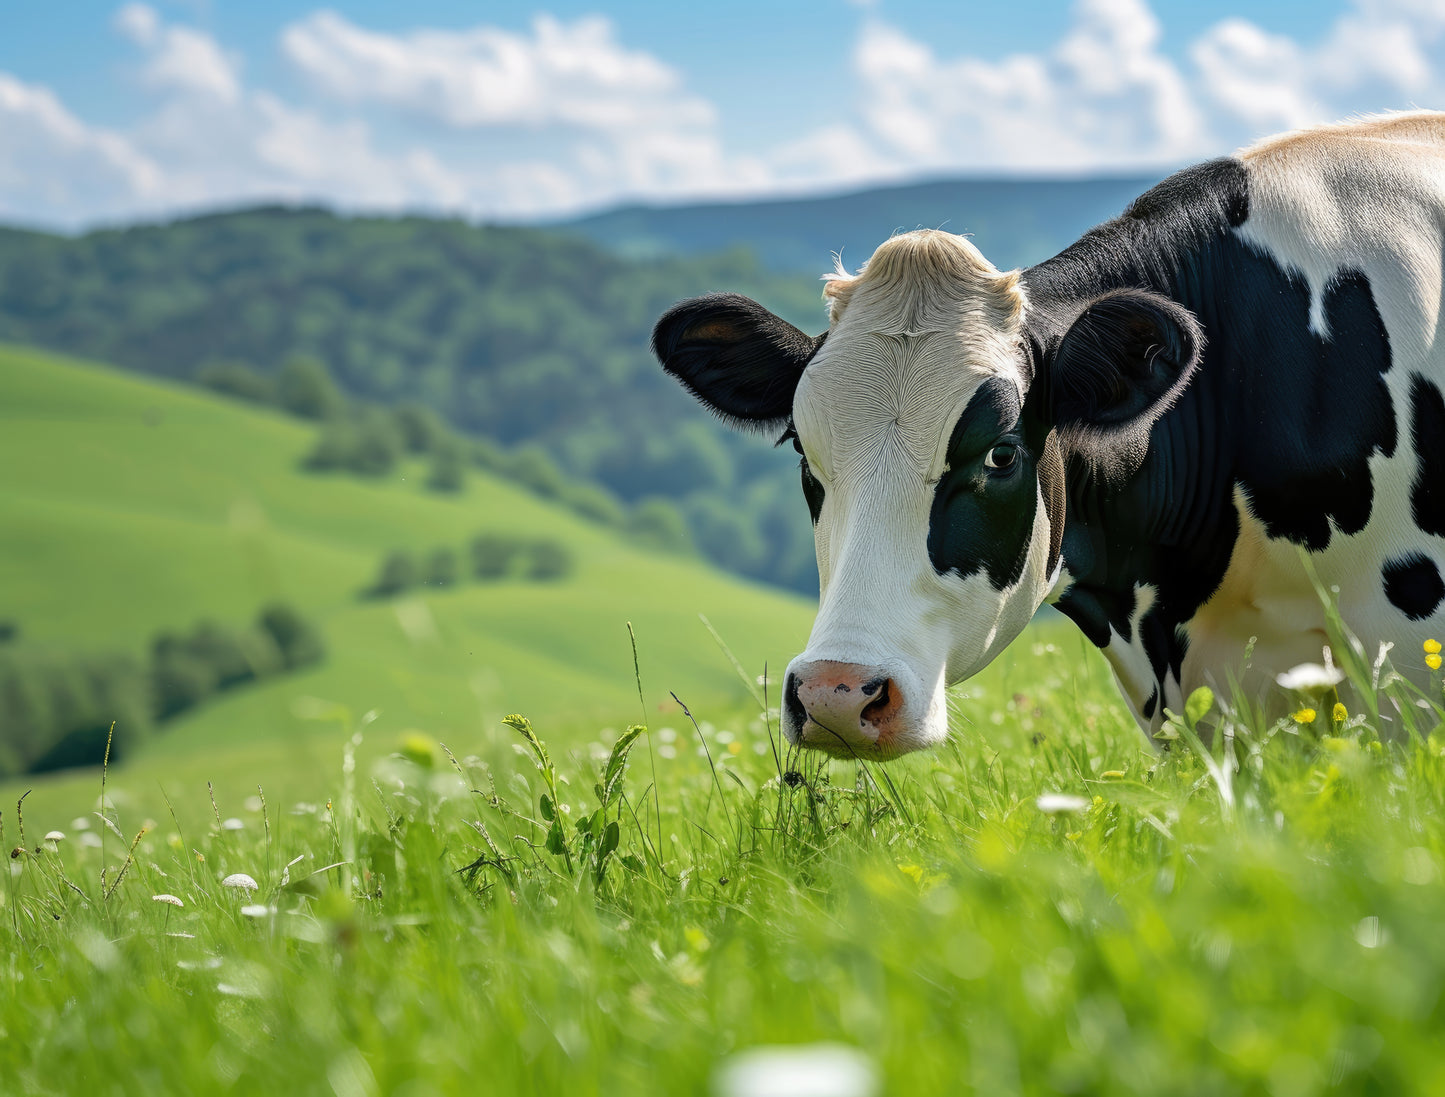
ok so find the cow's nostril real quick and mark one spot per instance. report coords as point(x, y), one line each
point(877, 709)
point(792, 702)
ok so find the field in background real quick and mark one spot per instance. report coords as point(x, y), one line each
point(131, 506)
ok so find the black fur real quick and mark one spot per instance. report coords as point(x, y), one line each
point(736, 357)
point(983, 518)
point(1427, 431)
point(1413, 585)
point(1290, 416)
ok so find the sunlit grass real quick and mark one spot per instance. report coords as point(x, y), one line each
point(1045, 905)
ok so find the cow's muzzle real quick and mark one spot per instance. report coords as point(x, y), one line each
point(845, 709)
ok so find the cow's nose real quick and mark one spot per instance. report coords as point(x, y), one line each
point(843, 708)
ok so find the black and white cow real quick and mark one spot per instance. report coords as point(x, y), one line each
point(1143, 430)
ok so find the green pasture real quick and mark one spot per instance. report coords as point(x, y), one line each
point(1047, 905)
point(129, 506)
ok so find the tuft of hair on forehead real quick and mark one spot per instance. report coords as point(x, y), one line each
point(926, 280)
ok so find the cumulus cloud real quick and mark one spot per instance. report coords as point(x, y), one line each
point(1376, 54)
point(1103, 94)
point(563, 114)
point(180, 58)
point(52, 163)
point(574, 74)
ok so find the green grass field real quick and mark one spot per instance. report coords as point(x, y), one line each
point(1047, 905)
point(130, 506)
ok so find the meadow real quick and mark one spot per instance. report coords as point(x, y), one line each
point(1047, 905)
point(371, 878)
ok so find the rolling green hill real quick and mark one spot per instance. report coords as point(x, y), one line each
point(131, 506)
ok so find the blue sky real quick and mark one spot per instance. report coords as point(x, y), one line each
point(115, 111)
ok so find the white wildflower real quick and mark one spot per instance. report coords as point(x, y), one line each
point(805, 1070)
point(233, 824)
point(173, 900)
point(1310, 678)
point(1055, 803)
point(55, 836)
point(240, 880)
point(255, 910)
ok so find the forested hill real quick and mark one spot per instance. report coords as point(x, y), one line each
point(517, 335)
point(1015, 222)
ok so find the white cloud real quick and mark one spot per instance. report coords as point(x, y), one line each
point(573, 74)
point(1372, 57)
point(52, 163)
point(180, 58)
point(1103, 94)
point(564, 115)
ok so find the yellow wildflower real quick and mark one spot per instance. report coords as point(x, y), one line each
point(1432, 647)
point(1341, 714)
point(1304, 716)
point(1432, 661)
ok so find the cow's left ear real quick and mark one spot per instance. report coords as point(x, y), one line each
point(1118, 368)
point(742, 362)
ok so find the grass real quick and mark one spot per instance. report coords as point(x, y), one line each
point(131, 506)
point(1047, 905)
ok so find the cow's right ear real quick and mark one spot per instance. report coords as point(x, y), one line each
point(735, 356)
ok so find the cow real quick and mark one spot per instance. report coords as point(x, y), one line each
point(1161, 431)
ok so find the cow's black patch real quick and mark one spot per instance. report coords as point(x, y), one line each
point(1289, 416)
point(1413, 585)
point(1150, 704)
point(983, 517)
point(1427, 430)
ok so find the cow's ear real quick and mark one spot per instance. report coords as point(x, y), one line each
point(1118, 368)
point(735, 356)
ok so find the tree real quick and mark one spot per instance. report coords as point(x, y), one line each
point(441, 567)
point(299, 641)
point(398, 573)
point(548, 561)
point(239, 380)
point(448, 466)
point(658, 524)
point(304, 387)
point(493, 555)
point(420, 427)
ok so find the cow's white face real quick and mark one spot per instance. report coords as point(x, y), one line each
point(932, 535)
point(933, 433)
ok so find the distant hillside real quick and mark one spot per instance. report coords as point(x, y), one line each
point(520, 336)
point(1015, 222)
point(132, 506)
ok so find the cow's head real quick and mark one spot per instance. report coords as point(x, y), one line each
point(934, 427)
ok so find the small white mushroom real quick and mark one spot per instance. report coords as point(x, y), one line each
point(55, 836)
point(173, 900)
point(240, 880)
point(233, 824)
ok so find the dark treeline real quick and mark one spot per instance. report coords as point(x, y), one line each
point(534, 342)
point(491, 558)
point(56, 710)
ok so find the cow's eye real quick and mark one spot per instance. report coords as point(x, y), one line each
point(1001, 457)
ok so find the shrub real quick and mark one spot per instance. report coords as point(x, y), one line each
point(548, 561)
point(304, 387)
point(9, 632)
point(493, 555)
point(398, 573)
point(299, 642)
point(441, 568)
point(366, 443)
point(533, 469)
point(594, 503)
point(657, 524)
point(420, 428)
point(448, 466)
point(239, 380)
